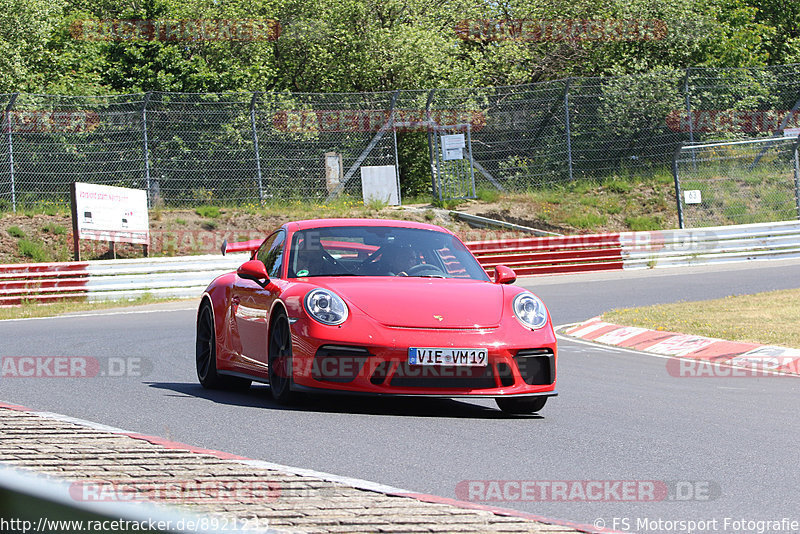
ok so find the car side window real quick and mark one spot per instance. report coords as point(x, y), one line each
point(271, 253)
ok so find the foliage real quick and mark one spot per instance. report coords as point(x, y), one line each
point(16, 231)
point(367, 45)
point(33, 250)
point(208, 211)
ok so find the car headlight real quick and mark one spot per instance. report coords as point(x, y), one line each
point(326, 307)
point(530, 311)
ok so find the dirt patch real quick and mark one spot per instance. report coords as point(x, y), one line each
point(173, 232)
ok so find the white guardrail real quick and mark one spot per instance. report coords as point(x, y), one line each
point(179, 277)
point(720, 244)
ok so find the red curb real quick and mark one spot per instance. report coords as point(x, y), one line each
point(435, 499)
point(176, 445)
point(15, 407)
point(677, 345)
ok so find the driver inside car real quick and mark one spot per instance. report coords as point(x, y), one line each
point(395, 260)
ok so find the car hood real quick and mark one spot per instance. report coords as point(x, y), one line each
point(424, 302)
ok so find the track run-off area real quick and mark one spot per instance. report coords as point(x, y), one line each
point(625, 444)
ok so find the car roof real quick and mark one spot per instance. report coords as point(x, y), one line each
point(394, 223)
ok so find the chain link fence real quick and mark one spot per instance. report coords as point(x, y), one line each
point(254, 148)
point(737, 182)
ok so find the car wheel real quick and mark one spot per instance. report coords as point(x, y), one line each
point(519, 406)
point(280, 360)
point(206, 355)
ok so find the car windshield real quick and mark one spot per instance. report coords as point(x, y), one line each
point(380, 251)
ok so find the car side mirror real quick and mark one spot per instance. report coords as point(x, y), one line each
point(504, 275)
point(254, 270)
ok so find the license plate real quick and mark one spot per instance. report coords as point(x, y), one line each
point(442, 356)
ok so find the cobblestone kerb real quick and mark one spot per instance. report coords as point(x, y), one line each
point(102, 463)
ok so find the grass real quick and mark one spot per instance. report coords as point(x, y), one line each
point(769, 318)
point(211, 212)
point(642, 223)
point(16, 231)
point(586, 221)
point(55, 229)
point(33, 250)
point(32, 309)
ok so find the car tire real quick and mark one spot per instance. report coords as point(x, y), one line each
point(521, 406)
point(206, 355)
point(279, 360)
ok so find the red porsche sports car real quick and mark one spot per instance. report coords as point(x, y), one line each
point(376, 307)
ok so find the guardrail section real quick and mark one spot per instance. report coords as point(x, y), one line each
point(548, 255)
point(113, 279)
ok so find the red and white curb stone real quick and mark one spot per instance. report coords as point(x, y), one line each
point(554, 525)
point(712, 354)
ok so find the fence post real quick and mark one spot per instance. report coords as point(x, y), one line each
point(7, 118)
point(569, 135)
point(688, 105)
point(396, 157)
point(146, 149)
point(435, 186)
point(797, 177)
point(255, 147)
point(678, 183)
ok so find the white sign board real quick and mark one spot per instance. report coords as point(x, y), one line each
point(107, 213)
point(453, 146)
point(379, 183)
point(693, 197)
point(791, 132)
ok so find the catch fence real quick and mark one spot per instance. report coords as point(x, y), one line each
point(263, 147)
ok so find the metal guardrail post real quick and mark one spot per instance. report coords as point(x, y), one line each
point(255, 147)
point(7, 117)
point(146, 149)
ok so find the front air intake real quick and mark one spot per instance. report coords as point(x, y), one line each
point(536, 366)
point(338, 363)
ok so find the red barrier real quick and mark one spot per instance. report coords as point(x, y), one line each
point(550, 255)
point(42, 282)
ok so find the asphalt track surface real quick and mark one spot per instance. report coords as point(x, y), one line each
point(619, 416)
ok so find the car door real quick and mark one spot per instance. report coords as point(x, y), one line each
point(250, 303)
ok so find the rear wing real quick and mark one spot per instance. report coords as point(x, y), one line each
point(241, 246)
